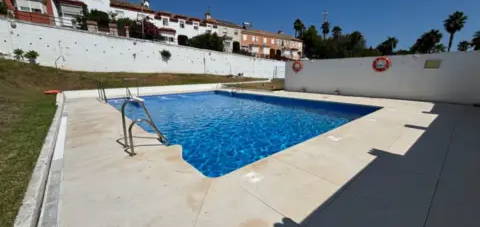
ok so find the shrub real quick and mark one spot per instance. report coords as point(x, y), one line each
point(207, 41)
point(236, 47)
point(18, 54)
point(150, 31)
point(182, 40)
point(3, 8)
point(165, 55)
point(32, 56)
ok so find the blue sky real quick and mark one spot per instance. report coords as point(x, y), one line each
point(376, 19)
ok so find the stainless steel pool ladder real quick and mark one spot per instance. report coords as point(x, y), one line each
point(102, 96)
point(127, 144)
point(128, 93)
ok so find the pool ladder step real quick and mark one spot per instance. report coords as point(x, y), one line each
point(128, 145)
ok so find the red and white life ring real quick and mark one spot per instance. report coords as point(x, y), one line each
point(382, 64)
point(297, 66)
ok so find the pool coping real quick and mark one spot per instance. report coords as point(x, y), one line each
point(40, 203)
point(32, 203)
point(40, 206)
point(260, 93)
point(30, 211)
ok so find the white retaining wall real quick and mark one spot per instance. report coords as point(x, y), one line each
point(78, 50)
point(457, 80)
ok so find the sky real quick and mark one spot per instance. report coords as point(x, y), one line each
point(376, 19)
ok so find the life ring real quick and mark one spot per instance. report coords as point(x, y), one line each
point(381, 64)
point(52, 92)
point(297, 66)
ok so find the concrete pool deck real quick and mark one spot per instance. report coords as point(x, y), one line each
point(408, 164)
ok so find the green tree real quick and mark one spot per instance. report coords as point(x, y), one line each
point(476, 41)
point(463, 46)
point(236, 47)
point(150, 31)
point(102, 18)
point(3, 8)
point(387, 46)
point(310, 40)
point(355, 43)
point(299, 28)
point(336, 32)
point(207, 41)
point(32, 56)
point(453, 24)
point(325, 29)
point(18, 54)
point(427, 43)
point(403, 52)
point(439, 48)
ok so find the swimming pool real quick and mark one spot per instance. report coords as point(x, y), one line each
point(222, 131)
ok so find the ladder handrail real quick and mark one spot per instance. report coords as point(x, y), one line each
point(128, 144)
point(101, 91)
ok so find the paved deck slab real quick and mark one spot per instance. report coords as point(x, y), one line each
point(407, 164)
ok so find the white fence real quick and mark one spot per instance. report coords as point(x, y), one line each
point(457, 80)
point(78, 50)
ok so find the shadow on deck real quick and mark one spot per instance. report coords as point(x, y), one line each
point(433, 184)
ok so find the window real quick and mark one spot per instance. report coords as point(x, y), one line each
point(22, 8)
point(209, 31)
point(36, 10)
point(244, 37)
point(254, 38)
point(182, 24)
point(236, 33)
point(265, 40)
point(195, 26)
point(165, 21)
point(272, 41)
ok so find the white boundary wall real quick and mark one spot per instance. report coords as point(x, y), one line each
point(82, 51)
point(457, 80)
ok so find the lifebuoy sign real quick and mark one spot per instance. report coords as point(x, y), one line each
point(297, 66)
point(381, 64)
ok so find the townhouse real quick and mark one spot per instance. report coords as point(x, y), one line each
point(174, 28)
point(271, 45)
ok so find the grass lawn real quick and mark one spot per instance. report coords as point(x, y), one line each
point(26, 114)
point(274, 85)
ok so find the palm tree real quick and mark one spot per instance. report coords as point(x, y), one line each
point(387, 46)
point(299, 28)
point(453, 24)
point(427, 43)
point(438, 48)
point(325, 29)
point(337, 32)
point(476, 41)
point(463, 46)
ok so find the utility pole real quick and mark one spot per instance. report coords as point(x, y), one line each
point(325, 16)
point(144, 3)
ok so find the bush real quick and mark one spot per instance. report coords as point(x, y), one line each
point(102, 18)
point(165, 55)
point(32, 56)
point(18, 54)
point(150, 31)
point(236, 47)
point(3, 8)
point(207, 41)
point(183, 40)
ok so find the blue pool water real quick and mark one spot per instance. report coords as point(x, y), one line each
point(221, 132)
